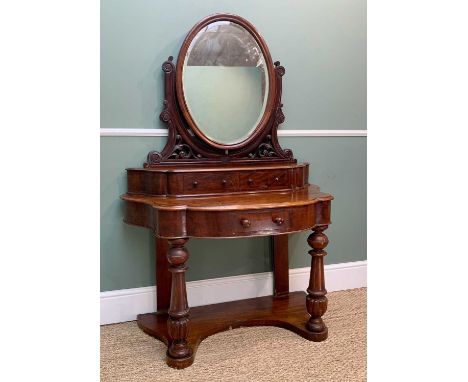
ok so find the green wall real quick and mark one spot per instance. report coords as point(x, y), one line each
point(338, 165)
point(322, 44)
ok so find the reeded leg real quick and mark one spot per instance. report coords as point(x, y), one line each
point(177, 323)
point(316, 300)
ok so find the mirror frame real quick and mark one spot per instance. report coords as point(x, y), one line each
point(269, 108)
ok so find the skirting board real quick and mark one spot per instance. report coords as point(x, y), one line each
point(124, 305)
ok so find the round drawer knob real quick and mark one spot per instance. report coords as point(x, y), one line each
point(250, 181)
point(276, 179)
point(224, 182)
point(245, 223)
point(195, 184)
point(278, 220)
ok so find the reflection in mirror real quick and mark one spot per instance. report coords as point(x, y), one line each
point(225, 82)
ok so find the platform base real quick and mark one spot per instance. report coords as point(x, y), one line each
point(288, 312)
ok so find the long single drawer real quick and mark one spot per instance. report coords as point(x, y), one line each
point(239, 223)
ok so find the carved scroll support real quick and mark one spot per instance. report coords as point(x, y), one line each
point(178, 321)
point(176, 147)
point(279, 118)
point(316, 300)
point(184, 147)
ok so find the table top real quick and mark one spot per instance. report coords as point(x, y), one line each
point(240, 201)
point(175, 168)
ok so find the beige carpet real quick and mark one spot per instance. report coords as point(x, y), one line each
point(248, 354)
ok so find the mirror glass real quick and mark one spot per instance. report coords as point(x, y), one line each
point(225, 82)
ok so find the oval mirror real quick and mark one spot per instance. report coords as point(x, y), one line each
point(225, 82)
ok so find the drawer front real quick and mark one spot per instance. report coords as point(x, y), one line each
point(254, 222)
point(264, 180)
point(205, 183)
point(258, 222)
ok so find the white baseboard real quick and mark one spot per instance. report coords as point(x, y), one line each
point(124, 305)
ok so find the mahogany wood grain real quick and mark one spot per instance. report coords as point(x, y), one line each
point(178, 315)
point(279, 244)
point(163, 276)
point(199, 183)
point(316, 300)
point(265, 180)
point(196, 179)
point(309, 195)
point(223, 216)
point(286, 312)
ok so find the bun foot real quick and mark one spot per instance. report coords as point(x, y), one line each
point(179, 350)
point(179, 363)
point(318, 331)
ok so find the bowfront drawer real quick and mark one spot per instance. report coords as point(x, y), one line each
point(255, 222)
point(264, 180)
point(259, 221)
point(202, 182)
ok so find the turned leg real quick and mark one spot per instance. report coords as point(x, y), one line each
point(178, 321)
point(316, 300)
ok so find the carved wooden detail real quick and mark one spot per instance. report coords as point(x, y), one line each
point(185, 147)
point(316, 300)
point(177, 323)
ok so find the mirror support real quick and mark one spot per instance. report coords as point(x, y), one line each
point(185, 147)
point(184, 144)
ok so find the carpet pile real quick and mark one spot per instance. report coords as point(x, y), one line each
point(248, 354)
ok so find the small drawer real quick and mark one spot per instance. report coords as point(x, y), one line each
point(207, 183)
point(264, 180)
point(258, 221)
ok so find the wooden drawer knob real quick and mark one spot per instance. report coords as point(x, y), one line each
point(276, 179)
point(195, 184)
point(278, 220)
point(245, 223)
point(224, 182)
point(249, 181)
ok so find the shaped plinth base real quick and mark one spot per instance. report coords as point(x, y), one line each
point(288, 312)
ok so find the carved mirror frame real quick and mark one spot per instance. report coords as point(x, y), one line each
point(186, 144)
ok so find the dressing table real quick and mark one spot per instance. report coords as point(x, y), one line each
point(223, 174)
